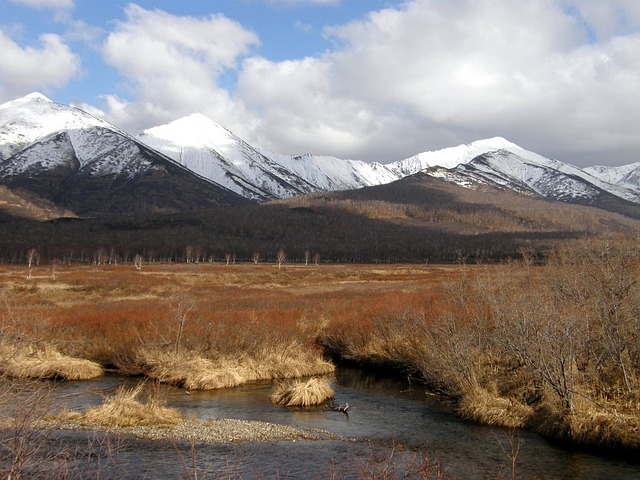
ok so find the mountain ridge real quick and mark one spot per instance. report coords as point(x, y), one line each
point(88, 166)
point(38, 136)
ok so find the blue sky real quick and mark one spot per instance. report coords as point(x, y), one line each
point(376, 80)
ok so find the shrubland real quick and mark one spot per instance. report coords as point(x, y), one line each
point(543, 342)
point(550, 346)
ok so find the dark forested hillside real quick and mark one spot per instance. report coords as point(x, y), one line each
point(416, 219)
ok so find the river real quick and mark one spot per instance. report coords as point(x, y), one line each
point(387, 418)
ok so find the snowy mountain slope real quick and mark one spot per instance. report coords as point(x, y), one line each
point(215, 153)
point(499, 162)
point(60, 150)
point(331, 173)
point(89, 166)
point(624, 176)
point(27, 119)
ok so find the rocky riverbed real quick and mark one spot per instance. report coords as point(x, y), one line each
point(211, 431)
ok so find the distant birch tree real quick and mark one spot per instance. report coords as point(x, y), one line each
point(33, 256)
point(137, 262)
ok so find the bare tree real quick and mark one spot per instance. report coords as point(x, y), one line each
point(188, 250)
point(281, 256)
point(54, 267)
point(32, 257)
point(137, 261)
point(307, 257)
point(101, 256)
point(199, 253)
point(181, 307)
point(113, 256)
point(255, 256)
point(316, 259)
point(227, 257)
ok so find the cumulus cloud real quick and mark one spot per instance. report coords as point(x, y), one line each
point(173, 64)
point(25, 69)
point(559, 77)
point(441, 73)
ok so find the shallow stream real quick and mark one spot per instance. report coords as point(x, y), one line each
point(387, 418)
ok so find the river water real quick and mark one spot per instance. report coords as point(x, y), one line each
point(391, 423)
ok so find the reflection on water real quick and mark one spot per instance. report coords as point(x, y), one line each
point(384, 414)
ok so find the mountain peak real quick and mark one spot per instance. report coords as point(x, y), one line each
point(193, 130)
point(493, 143)
point(35, 97)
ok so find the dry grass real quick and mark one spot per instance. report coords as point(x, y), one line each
point(479, 405)
point(45, 363)
point(302, 393)
point(124, 409)
point(196, 373)
point(459, 327)
point(605, 428)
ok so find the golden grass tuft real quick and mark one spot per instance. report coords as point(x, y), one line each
point(479, 405)
point(46, 363)
point(124, 409)
point(193, 372)
point(302, 393)
point(604, 428)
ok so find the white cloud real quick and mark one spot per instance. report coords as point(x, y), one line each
point(173, 64)
point(25, 69)
point(557, 76)
point(439, 73)
point(46, 4)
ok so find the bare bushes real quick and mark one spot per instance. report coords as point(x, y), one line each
point(555, 347)
point(302, 393)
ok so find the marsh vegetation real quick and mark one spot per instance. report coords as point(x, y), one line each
point(546, 343)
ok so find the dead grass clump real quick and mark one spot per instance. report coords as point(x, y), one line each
point(193, 372)
point(46, 363)
point(604, 428)
point(302, 393)
point(289, 361)
point(479, 405)
point(124, 409)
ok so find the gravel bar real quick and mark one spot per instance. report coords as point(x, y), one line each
point(213, 431)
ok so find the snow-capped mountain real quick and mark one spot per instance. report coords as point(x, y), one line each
point(214, 152)
point(503, 164)
point(87, 165)
point(217, 154)
point(625, 176)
